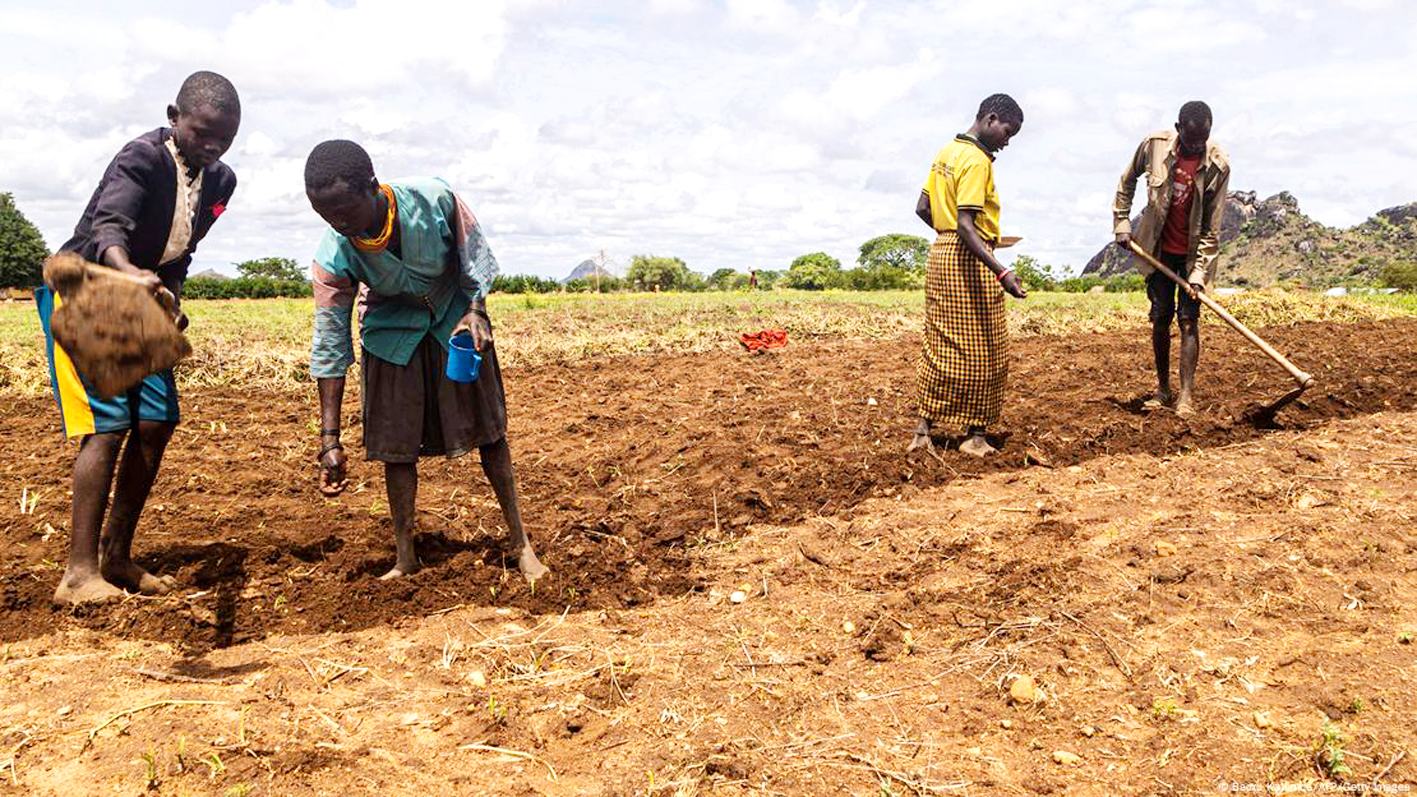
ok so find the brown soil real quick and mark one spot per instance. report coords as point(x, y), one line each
point(1194, 598)
point(113, 329)
point(624, 465)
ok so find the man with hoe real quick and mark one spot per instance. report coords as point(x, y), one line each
point(1187, 178)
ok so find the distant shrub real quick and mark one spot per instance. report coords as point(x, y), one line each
point(243, 288)
point(1118, 283)
point(524, 283)
point(1402, 276)
point(603, 285)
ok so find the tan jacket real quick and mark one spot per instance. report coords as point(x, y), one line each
point(1155, 158)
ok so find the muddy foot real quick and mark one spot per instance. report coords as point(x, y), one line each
point(76, 589)
point(977, 446)
point(1159, 400)
point(399, 571)
point(135, 579)
point(1185, 409)
point(920, 442)
point(531, 567)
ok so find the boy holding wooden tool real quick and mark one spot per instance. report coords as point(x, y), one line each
point(157, 199)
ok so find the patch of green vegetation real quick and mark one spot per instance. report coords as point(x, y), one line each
point(1331, 749)
point(1163, 708)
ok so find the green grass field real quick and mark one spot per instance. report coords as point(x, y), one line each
point(265, 342)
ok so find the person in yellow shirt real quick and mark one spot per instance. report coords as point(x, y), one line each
point(964, 362)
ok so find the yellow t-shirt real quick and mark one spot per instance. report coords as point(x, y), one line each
point(963, 177)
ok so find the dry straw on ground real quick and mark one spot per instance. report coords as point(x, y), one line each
point(265, 343)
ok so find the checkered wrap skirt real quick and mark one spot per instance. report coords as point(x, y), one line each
point(964, 362)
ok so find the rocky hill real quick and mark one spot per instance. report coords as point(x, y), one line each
point(586, 271)
point(1263, 242)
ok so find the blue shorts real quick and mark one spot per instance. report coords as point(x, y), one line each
point(81, 409)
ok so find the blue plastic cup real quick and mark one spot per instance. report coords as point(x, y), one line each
point(463, 359)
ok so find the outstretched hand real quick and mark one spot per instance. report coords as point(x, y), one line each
point(333, 472)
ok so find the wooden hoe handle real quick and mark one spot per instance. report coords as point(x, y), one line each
point(1301, 377)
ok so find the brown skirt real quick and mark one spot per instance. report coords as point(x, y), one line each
point(413, 410)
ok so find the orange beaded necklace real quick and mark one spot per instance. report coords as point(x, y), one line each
point(381, 240)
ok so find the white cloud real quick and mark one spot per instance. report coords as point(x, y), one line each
point(740, 133)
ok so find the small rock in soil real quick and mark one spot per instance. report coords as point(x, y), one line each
point(1025, 691)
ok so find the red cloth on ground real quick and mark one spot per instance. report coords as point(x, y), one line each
point(767, 339)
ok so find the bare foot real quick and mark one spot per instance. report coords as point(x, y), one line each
point(977, 445)
point(399, 571)
point(1159, 400)
point(531, 567)
point(1185, 408)
point(135, 579)
point(76, 588)
point(920, 442)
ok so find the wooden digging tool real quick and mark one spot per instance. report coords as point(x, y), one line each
point(1264, 416)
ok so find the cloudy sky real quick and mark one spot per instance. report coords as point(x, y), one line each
point(731, 133)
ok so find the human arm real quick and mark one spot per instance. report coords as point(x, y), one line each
point(1126, 190)
point(478, 269)
point(975, 244)
point(1208, 244)
point(130, 176)
point(331, 354)
point(922, 209)
point(333, 462)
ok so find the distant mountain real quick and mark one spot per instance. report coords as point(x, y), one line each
point(1263, 242)
point(211, 273)
point(587, 271)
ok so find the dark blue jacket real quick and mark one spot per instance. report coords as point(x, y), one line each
point(132, 207)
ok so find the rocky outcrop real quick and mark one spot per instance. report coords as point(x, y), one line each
point(1266, 241)
point(1240, 209)
point(587, 271)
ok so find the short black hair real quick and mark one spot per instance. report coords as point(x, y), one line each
point(1002, 106)
point(1194, 111)
point(338, 161)
point(210, 90)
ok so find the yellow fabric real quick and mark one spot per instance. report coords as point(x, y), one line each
point(964, 362)
point(963, 177)
point(73, 399)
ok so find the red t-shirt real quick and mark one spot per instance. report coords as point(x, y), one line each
point(1175, 235)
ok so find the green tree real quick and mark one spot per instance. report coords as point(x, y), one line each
point(22, 249)
point(723, 279)
point(813, 272)
point(276, 268)
point(767, 279)
point(1035, 275)
point(668, 273)
point(895, 251)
